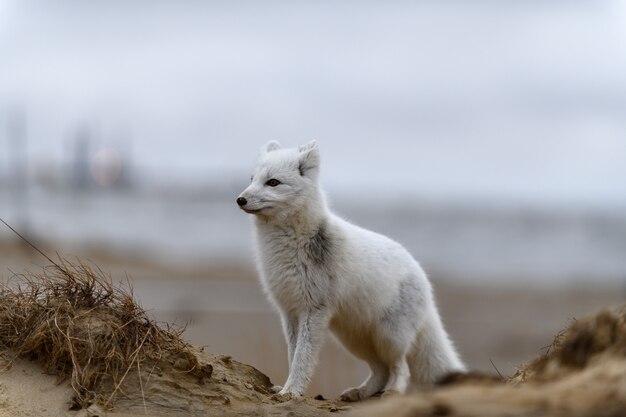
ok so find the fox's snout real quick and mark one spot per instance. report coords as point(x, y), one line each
point(241, 201)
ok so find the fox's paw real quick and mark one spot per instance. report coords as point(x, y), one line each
point(281, 398)
point(353, 394)
point(290, 392)
point(276, 389)
point(391, 393)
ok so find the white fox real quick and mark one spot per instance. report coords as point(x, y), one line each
point(322, 272)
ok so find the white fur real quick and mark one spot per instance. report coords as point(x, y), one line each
point(322, 272)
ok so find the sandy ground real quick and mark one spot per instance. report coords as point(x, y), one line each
point(583, 374)
point(25, 391)
point(226, 312)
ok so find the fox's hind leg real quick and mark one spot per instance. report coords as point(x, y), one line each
point(379, 374)
point(396, 332)
point(386, 355)
point(398, 378)
point(393, 347)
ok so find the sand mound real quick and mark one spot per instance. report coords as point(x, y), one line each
point(582, 374)
point(586, 343)
point(81, 328)
point(106, 353)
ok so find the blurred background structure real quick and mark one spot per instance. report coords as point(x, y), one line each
point(488, 137)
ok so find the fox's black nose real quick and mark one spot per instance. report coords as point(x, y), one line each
point(242, 201)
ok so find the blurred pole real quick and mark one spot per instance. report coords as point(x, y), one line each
point(19, 162)
point(81, 179)
point(124, 145)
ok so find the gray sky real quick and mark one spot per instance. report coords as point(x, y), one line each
point(523, 100)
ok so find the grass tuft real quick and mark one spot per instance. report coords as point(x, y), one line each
point(79, 325)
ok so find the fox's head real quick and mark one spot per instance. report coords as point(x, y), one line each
point(284, 181)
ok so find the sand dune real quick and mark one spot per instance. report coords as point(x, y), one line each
point(74, 344)
point(582, 374)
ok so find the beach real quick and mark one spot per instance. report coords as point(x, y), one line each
point(224, 310)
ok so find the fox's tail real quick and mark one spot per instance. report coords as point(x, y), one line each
point(432, 355)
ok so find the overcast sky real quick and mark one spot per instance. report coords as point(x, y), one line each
point(504, 99)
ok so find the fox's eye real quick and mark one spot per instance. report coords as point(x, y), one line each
point(272, 182)
point(251, 178)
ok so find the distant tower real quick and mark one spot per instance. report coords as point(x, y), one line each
point(124, 145)
point(81, 179)
point(19, 162)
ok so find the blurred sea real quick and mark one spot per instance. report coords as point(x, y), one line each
point(510, 245)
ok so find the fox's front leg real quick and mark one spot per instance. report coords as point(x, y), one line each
point(290, 329)
point(311, 327)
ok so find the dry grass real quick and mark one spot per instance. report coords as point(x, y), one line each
point(578, 345)
point(79, 325)
point(582, 374)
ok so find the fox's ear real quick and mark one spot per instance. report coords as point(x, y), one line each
point(312, 144)
point(309, 159)
point(270, 146)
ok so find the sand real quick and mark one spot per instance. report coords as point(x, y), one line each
point(104, 353)
point(521, 322)
point(224, 309)
point(582, 375)
point(26, 391)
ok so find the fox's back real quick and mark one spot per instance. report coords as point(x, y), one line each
point(373, 268)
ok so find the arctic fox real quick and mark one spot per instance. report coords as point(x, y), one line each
point(322, 272)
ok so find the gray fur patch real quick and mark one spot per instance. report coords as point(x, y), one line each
point(317, 271)
point(320, 247)
point(316, 292)
point(410, 297)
